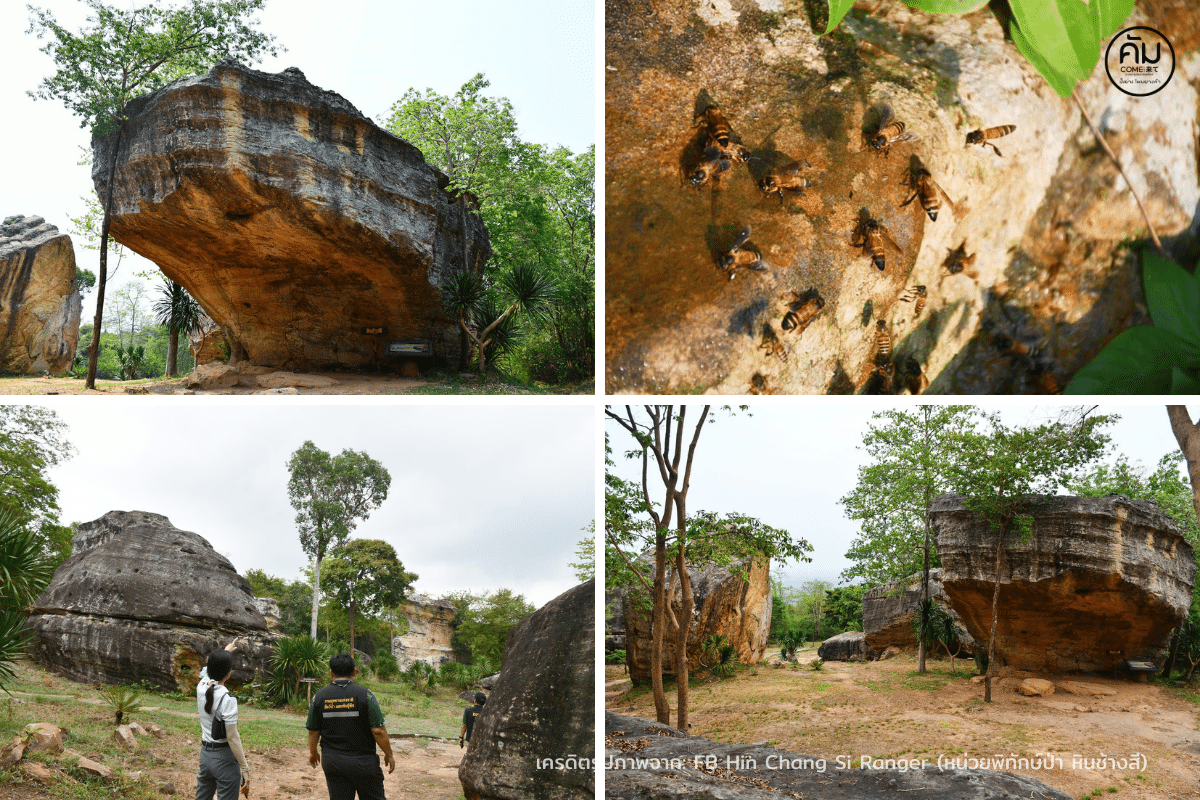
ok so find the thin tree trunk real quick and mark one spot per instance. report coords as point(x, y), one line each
point(352, 629)
point(658, 626)
point(684, 622)
point(102, 278)
point(991, 668)
point(1176, 638)
point(925, 457)
point(1188, 436)
point(172, 353)
point(316, 594)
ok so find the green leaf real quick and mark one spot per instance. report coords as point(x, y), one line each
point(1066, 36)
point(1140, 360)
point(1172, 296)
point(1059, 82)
point(837, 11)
point(1182, 383)
point(947, 6)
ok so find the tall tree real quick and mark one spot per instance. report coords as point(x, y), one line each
point(912, 458)
point(1001, 469)
point(127, 52)
point(330, 495)
point(33, 441)
point(482, 621)
point(365, 575)
point(180, 312)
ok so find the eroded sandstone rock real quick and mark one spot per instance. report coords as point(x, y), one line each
point(848, 646)
point(295, 221)
point(1096, 575)
point(733, 601)
point(1052, 276)
point(651, 751)
point(39, 301)
point(429, 631)
point(141, 600)
point(541, 709)
point(889, 611)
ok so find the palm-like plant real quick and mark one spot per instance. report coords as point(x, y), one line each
point(121, 699)
point(180, 312)
point(295, 658)
point(421, 675)
point(130, 359)
point(24, 573)
point(486, 313)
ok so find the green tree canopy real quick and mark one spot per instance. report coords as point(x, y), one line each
point(482, 621)
point(32, 441)
point(330, 495)
point(365, 575)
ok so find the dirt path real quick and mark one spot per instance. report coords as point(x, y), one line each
point(885, 710)
point(345, 383)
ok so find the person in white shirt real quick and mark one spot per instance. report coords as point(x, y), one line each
point(222, 762)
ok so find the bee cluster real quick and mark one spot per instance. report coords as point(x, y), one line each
point(721, 150)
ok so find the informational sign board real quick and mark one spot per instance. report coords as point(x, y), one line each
point(412, 347)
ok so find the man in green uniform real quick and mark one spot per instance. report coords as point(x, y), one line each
point(346, 720)
point(468, 722)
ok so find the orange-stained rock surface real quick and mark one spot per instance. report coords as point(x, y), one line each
point(734, 602)
point(429, 631)
point(293, 219)
point(1099, 579)
point(39, 301)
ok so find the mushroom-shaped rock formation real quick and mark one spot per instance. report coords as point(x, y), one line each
point(1046, 274)
point(536, 735)
point(732, 601)
point(310, 235)
point(141, 600)
point(1099, 579)
point(430, 628)
point(39, 301)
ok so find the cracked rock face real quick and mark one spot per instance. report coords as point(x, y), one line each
point(734, 602)
point(294, 220)
point(1099, 579)
point(673, 765)
point(430, 628)
point(889, 611)
point(140, 599)
point(39, 301)
point(541, 708)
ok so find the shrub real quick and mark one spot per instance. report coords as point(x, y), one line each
point(295, 657)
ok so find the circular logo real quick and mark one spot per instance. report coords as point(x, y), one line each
point(1139, 61)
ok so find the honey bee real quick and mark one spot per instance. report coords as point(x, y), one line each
point(890, 131)
point(872, 239)
point(917, 293)
point(910, 377)
point(742, 256)
point(786, 177)
point(958, 260)
point(711, 165)
point(981, 137)
point(771, 343)
point(802, 310)
point(927, 190)
point(759, 385)
point(883, 344)
point(719, 134)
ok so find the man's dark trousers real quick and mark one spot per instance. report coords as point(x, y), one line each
point(347, 773)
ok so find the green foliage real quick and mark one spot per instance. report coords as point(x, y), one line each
point(385, 665)
point(366, 575)
point(25, 566)
point(85, 280)
point(1160, 359)
point(844, 609)
point(13, 639)
point(817, 664)
point(482, 622)
point(837, 11)
point(32, 442)
point(615, 657)
point(130, 360)
point(1167, 485)
point(295, 657)
point(294, 598)
point(121, 699)
point(585, 552)
point(789, 643)
point(421, 676)
point(180, 313)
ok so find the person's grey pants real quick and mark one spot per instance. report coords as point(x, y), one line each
point(219, 772)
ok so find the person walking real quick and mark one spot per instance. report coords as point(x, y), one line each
point(345, 719)
point(222, 762)
point(469, 716)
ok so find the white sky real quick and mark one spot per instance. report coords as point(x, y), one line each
point(788, 465)
point(540, 54)
point(482, 496)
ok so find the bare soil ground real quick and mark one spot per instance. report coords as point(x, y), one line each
point(884, 709)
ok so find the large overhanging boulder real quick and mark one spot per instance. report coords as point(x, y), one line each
point(430, 628)
point(298, 224)
point(39, 300)
point(889, 611)
point(647, 760)
point(1050, 226)
point(141, 600)
point(732, 601)
point(1099, 579)
point(536, 735)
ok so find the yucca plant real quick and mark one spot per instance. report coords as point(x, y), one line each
point(24, 573)
point(122, 699)
point(487, 313)
point(296, 657)
point(817, 663)
point(421, 675)
point(726, 659)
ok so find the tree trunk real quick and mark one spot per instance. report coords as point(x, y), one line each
point(991, 668)
point(1176, 638)
point(1188, 436)
point(172, 353)
point(316, 595)
point(658, 625)
point(352, 629)
point(926, 457)
point(102, 278)
point(684, 625)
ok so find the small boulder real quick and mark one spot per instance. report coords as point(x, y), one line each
point(489, 682)
point(1036, 687)
point(848, 646)
point(94, 768)
point(157, 731)
point(890, 652)
point(280, 380)
point(39, 773)
point(1085, 689)
point(284, 390)
point(168, 788)
point(12, 753)
point(46, 738)
point(124, 737)
point(138, 730)
point(216, 375)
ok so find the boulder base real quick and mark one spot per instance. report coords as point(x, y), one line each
point(39, 301)
point(1098, 580)
point(848, 646)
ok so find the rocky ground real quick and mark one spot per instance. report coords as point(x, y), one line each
point(884, 709)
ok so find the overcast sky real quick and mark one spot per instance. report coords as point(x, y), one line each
point(482, 496)
point(540, 54)
point(788, 465)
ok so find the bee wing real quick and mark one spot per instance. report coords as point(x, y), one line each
point(949, 200)
point(742, 238)
point(907, 136)
point(889, 241)
point(886, 115)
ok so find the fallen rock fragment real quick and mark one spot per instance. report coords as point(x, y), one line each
point(124, 737)
point(12, 752)
point(94, 768)
point(39, 773)
point(1085, 689)
point(217, 375)
point(280, 380)
point(1036, 687)
point(46, 738)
